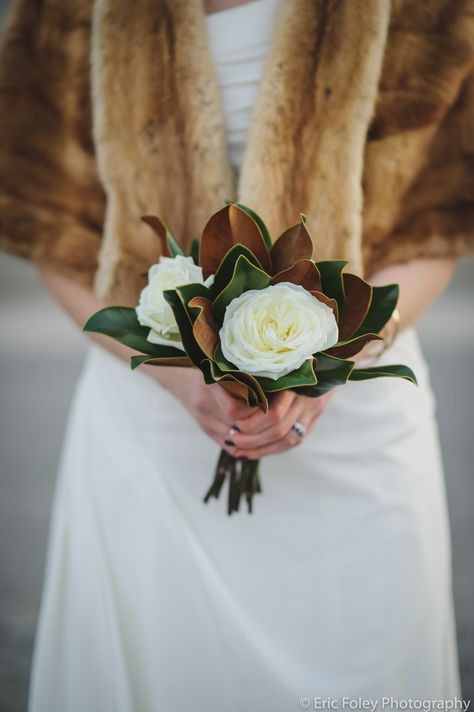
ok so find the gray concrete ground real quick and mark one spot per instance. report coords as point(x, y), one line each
point(40, 359)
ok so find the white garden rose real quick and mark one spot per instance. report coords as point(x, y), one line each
point(153, 310)
point(273, 331)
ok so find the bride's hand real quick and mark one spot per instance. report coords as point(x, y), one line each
point(211, 406)
point(269, 433)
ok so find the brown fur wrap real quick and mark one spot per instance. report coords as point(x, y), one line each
point(111, 109)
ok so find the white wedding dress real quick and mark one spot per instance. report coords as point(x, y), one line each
point(339, 583)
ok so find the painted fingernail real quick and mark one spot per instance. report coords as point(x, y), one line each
point(235, 427)
point(243, 457)
point(229, 442)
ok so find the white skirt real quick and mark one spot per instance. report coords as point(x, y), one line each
point(338, 585)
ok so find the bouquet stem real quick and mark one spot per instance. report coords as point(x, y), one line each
point(244, 479)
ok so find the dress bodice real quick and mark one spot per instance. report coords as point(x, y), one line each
point(238, 40)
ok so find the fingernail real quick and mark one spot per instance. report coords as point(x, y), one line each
point(229, 442)
point(235, 427)
point(243, 457)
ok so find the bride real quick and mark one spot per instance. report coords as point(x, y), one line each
point(339, 584)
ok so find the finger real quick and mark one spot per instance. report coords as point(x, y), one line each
point(277, 446)
point(215, 427)
point(260, 421)
point(276, 430)
point(233, 408)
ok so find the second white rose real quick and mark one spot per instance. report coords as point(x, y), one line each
point(273, 331)
point(153, 310)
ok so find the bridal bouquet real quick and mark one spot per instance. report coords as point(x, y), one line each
point(254, 316)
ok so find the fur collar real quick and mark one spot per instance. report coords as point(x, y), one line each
point(160, 135)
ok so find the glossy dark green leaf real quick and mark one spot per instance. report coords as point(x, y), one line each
point(216, 371)
point(194, 251)
point(332, 281)
point(263, 228)
point(351, 347)
point(384, 301)
point(303, 376)
point(392, 370)
point(226, 268)
point(188, 291)
point(245, 276)
point(330, 372)
point(121, 324)
point(136, 361)
point(185, 325)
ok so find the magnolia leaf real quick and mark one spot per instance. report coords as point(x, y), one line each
point(393, 370)
point(331, 280)
point(302, 376)
point(358, 296)
point(227, 227)
point(235, 388)
point(260, 223)
point(136, 361)
point(245, 276)
point(188, 291)
point(226, 268)
point(194, 251)
point(220, 369)
point(331, 303)
point(351, 347)
point(185, 325)
point(384, 301)
point(293, 245)
point(330, 372)
point(121, 324)
point(304, 272)
point(169, 246)
point(205, 329)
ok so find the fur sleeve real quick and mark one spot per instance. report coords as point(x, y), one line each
point(436, 216)
point(51, 200)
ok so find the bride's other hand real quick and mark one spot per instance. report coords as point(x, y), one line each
point(211, 406)
point(272, 432)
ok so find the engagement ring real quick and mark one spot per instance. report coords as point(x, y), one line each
point(299, 428)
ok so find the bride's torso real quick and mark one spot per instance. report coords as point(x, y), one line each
point(239, 38)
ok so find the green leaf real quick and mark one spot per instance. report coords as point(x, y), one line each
point(214, 373)
point(188, 291)
point(164, 360)
point(173, 246)
point(260, 223)
point(226, 268)
point(185, 325)
point(194, 252)
point(394, 371)
point(350, 347)
point(121, 324)
point(332, 281)
point(330, 372)
point(384, 301)
point(302, 376)
point(245, 276)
